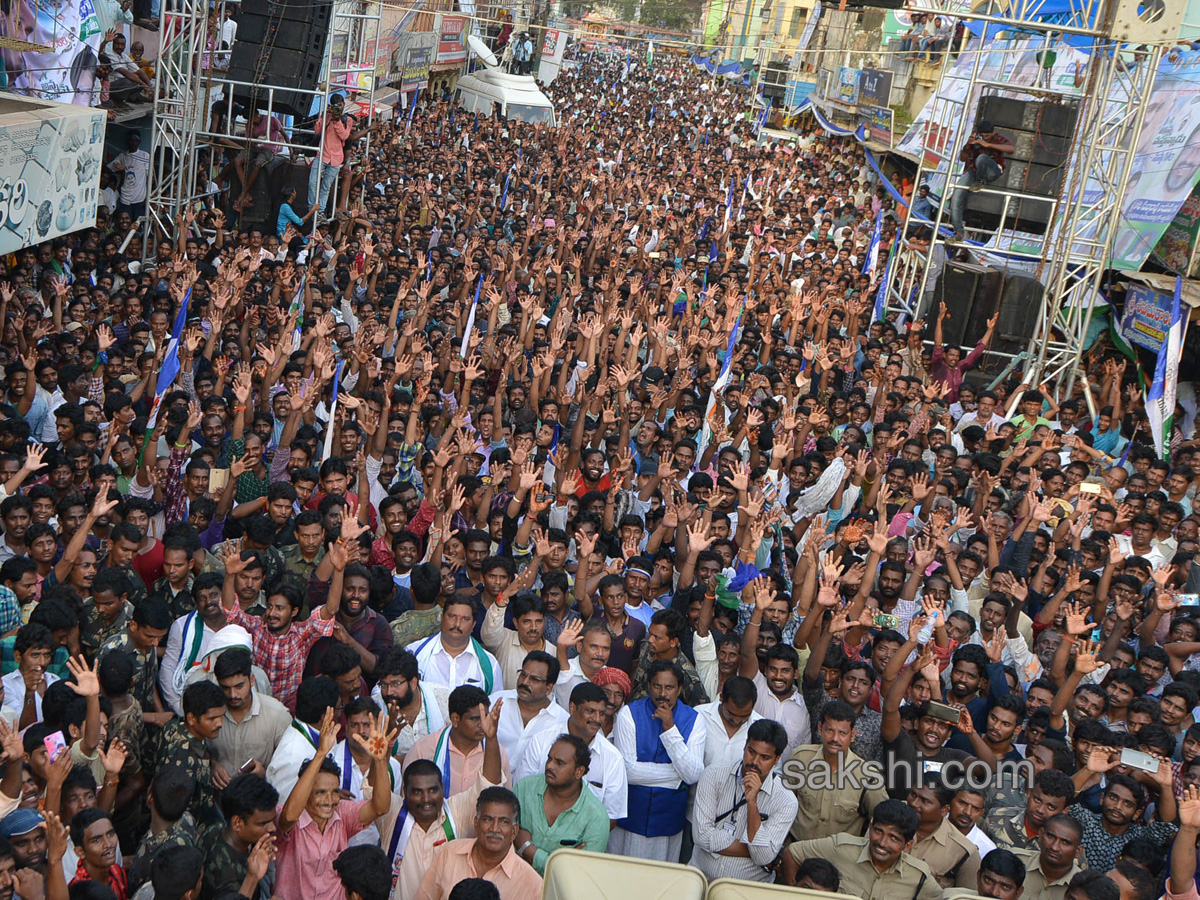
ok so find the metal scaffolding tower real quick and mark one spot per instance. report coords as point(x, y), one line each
point(198, 113)
point(1108, 99)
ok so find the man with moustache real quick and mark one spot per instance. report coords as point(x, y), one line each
point(453, 657)
point(833, 806)
point(1001, 877)
point(775, 677)
point(416, 708)
point(742, 812)
point(490, 855)
point(606, 775)
point(458, 749)
point(1054, 861)
point(423, 818)
point(254, 724)
point(25, 829)
point(556, 809)
point(593, 644)
point(1018, 829)
point(529, 708)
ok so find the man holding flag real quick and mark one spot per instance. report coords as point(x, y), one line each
point(1160, 402)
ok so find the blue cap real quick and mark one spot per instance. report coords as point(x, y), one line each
point(20, 821)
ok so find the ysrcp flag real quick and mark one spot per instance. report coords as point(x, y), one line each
point(1160, 402)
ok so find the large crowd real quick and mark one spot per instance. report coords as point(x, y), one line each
point(565, 491)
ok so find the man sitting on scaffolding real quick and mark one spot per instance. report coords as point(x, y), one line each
point(983, 162)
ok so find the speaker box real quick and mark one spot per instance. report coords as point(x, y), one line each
point(1020, 308)
point(971, 293)
point(281, 46)
point(984, 211)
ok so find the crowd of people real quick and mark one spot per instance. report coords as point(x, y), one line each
point(567, 493)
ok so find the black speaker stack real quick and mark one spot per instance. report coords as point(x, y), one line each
point(773, 79)
point(1041, 132)
point(280, 45)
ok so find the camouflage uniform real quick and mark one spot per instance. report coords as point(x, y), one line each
point(145, 668)
point(691, 691)
point(182, 833)
point(179, 747)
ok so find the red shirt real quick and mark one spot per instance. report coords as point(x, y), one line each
point(150, 564)
point(116, 879)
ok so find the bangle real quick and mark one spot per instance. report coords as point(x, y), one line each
point(239, 409)
point(710, 596)
point(1070, 638)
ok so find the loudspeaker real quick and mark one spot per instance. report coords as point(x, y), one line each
point(971, 293)
point(773, 79)
point(1020, 308)
point(984, 211)
point(281, 46)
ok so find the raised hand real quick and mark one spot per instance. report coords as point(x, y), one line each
point(87, 681)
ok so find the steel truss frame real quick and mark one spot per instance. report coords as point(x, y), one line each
point(1072, 256)
point(194, 110)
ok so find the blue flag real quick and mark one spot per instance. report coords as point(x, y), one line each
point(470, 326)
point(504, 196)
point(881, 294)
point(873, 247)
point(337, 383)
point(170, 366)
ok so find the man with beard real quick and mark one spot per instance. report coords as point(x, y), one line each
point(254, 724)
point(356, 625)
point(453, 657)
point(416, 709)
point(972, 670)
point(25, 829)
point(556, 809)
point(1018, 829)
point(529, 709)
point(906, 760)
point(1078, 701)
point(742, 812)
point(662, 740)
point(458, 748)
point(775, 677)
point(281, 644)
point(667, 629)
point(1054, 860)
point(836, 806)
point(490, 855)
point(1121, 806)
point(1001, 877)
point(876, 866)
point(606, 776)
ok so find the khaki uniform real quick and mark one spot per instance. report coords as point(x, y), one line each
point(952, 858)
point(1038, 885)
point(828, 810)
point(908, 879)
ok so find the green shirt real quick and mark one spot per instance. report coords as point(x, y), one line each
point(586, 822)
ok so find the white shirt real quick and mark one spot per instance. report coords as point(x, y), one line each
point(14, 690)
point(719, 748)
point(568, 678)
point(294, 750)
point(355, 781)
point(605, 776)
point(985, 844)
point(136, 175)
point(514, 734)
point(791, 713)
point(687, 757)
point(434, 715)
point(437, 666)
point(173, 656)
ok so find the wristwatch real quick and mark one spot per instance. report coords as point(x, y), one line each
point(525, 846)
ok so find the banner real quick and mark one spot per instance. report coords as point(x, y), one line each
point(64, 71)
point(806, 35)
point(1147, 317)
point(875, 87)
point(1174, 248)
point(450, 50)
point(846, 89)
point(50, 160)
point(414, 54)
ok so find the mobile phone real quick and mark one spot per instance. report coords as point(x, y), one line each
point(1086, 487)
point(884, 620)
point(943, 711)
point(568, 842)
point(247, 765)
point(1139, 760)
point(1189, 599)
point(654, 254)
point(54, 744)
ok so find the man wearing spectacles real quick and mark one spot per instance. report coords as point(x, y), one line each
point(529, 708)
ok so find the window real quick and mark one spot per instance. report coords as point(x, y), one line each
point(799, 14)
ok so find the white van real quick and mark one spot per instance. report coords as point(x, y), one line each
point(518, 96)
